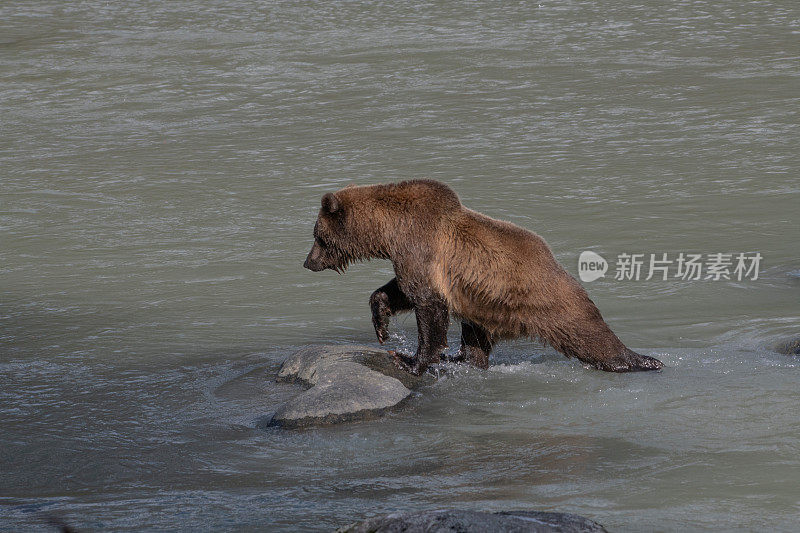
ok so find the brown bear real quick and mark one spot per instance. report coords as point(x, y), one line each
point(501, 280)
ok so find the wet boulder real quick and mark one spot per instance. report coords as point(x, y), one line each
point(345, 383)
point(475, 521)
point(789, 346)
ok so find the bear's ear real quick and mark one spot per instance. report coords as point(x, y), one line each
point(330, 204)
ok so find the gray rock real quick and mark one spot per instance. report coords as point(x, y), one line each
point(347, 383)
point(475, 521)
point(789, 346)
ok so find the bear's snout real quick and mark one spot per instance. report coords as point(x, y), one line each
point(312, 263)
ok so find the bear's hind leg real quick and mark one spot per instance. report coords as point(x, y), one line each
point(386, 301)
point(476, 344)
point(628, 361)
point(593, 343)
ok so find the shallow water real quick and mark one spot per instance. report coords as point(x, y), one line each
point(161, 168)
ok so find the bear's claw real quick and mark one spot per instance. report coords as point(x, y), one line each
point(382, 333)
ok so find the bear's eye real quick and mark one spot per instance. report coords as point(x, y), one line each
point(321, 242)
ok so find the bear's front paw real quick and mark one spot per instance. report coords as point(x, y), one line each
point(381, 329)
point(406, 363)
point(380, 318)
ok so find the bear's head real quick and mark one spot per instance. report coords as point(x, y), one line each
point(365, 222)
point(331, 241)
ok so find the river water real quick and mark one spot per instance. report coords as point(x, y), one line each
point(161, 166)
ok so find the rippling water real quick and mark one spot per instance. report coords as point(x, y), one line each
point(161, 167)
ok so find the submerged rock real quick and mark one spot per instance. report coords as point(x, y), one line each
point(789, 346)
point(475, 521)
point(347, 383)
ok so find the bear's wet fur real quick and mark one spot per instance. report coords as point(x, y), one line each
point(499, 279)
